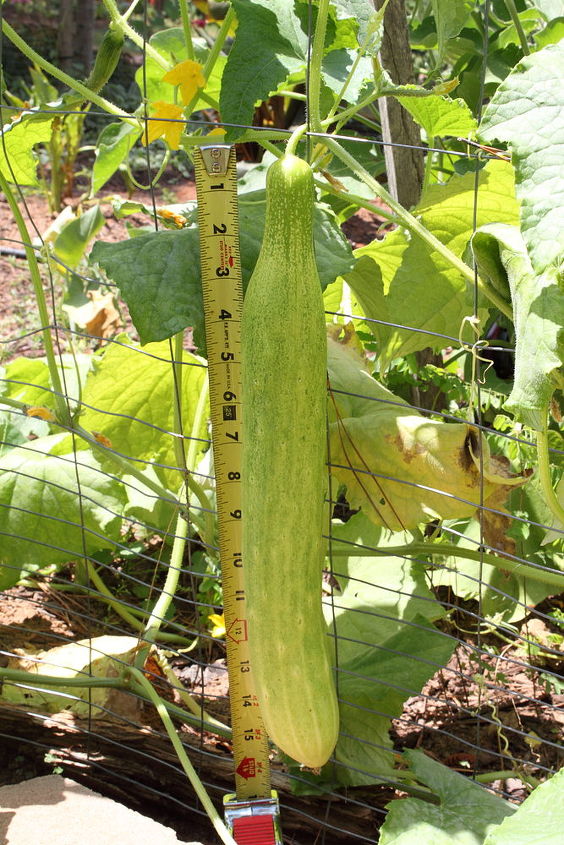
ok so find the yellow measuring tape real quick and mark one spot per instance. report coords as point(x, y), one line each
point(222, 284)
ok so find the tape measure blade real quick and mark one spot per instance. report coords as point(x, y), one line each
point(222, 289)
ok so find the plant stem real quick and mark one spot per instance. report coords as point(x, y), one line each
point(158, 614)
point(129, 11)
point(545, 478)
point(415, 227)
point(23, 676)
point(295, 138)
point(63, 77)
point(133, 35)
point(543, 576)
point(186, 27)
point(317, 53)
point(512, 9)
point(54, 375)
point(140, 681)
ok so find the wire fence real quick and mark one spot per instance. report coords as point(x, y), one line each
point(456, 652)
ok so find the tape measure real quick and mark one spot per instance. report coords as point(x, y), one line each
point(222, 284)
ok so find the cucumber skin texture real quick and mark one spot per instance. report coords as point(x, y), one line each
point(284, 377)
point(106, 60)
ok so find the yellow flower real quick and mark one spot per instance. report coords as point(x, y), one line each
point(189, 77)
point(42, 413)
point(218, 622)
point(166, 122)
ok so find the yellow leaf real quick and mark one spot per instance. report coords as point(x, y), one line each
point(166, 122)
point(217, 131)
point(189, 77)
point(218, 622)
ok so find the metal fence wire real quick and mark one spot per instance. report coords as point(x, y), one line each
point(457, 654)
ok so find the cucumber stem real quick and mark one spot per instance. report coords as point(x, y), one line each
point(139, 681)
point(545, 479)
point(552, 578)
point(61, 404)
point(63, 77)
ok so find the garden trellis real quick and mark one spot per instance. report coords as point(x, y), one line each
point(443, 577)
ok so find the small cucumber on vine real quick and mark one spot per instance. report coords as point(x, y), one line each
point(284, 477)
point(107, 58)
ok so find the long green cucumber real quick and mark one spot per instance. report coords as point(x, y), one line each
point(284, 476)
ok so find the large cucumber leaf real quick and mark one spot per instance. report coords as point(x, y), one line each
point(55, 508)
point(275, 34)
point(400, 467)
point(440, 116)
point(527, 111)
point(539, 819)
point(129, 399)
point(466, 813)
point(538, 315)
point(158, 273)
point(401, 281)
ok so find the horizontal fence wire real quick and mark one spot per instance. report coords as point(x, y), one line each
point(480, 683)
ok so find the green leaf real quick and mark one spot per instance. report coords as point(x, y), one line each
point(441, 116)
point(159, 273)
point(71, 243)
point(538, 315)
point(538, 821)
point(400, 280)
point(504, 597)
point(130, 395)
point(16, 429)
point(361, 11)
point(401, 468)
point(551, 34)
point(450, 17)
point(113, 145)
point(28, 379)
point(527, 111)
point(50, 517)
point(466, 814)
point(17, 162)
point(274, 33)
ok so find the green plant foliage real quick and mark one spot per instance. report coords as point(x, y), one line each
point(113, 145)
point(55, 508)
point(527, 112)
point(158, 273)
point(538, 309)
point(541, 813)
point(129, 398)
point(17, 162)
point(400, 280)
point(465, 815)
point(373, 431)
point(441, 116)
point(450, 17)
